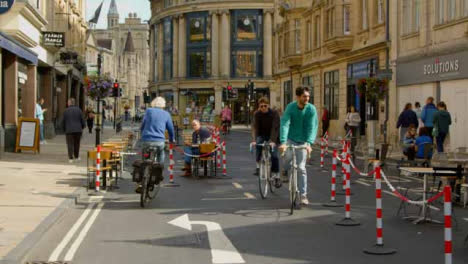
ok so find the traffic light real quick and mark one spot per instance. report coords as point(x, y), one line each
point(120, 92)
point(99, 63)
point(251, 87)
point(229, 91)
point(115, 90)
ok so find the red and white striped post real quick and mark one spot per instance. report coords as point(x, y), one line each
point(171, 163)
point(448, 223)
point(333, 202)
point(218, 151)
point(98, 168)
point(224, 158)
point(326, 143)
point(348, 221)
point(343, 168)
point(321, 153)
point(378, 248)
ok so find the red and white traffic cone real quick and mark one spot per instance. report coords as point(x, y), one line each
point(98, 168)
point(448, 223)
point(348, 221)
point(378, 248)
point(333, 202)
point(171, 167)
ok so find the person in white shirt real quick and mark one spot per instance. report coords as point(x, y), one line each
point(39, 114)
point(353, 122)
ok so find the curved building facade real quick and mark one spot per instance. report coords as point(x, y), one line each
point(200, 47)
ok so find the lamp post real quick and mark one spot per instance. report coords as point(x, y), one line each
point(99, 119)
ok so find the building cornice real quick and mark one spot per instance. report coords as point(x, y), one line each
point(22, 38)
point(31, 14)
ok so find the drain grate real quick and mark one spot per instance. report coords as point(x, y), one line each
point(48, 262)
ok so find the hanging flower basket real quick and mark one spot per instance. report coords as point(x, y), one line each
point(98, 87)
point(373, 88)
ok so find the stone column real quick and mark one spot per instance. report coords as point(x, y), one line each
point(47, 83)
point(11, 100)
point(214, 45)
point(267, 43)
point(175, 47)
point(29, 94)
point(218, 98)
point(175, 102)
point(225, 44)
point(182, 47)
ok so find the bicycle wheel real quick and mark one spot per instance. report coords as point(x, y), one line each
point(263, 179)
point(144, 187)
point(270, 179)
point(293, 189)
point(153, 190)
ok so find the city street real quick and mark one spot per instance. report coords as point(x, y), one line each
point(226, 221)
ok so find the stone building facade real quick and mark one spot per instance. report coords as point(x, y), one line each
point(200, 47)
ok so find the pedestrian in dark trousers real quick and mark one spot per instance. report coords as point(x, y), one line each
point(442, 121)
point(90, 118)
point(427, 114)
point(407, 118)
point(325, 121)
point(73, 124)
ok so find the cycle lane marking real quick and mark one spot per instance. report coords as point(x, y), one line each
point(58, 250)
point(249, 195)
point(237, 185)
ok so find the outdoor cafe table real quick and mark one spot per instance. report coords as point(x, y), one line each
point(425, 172)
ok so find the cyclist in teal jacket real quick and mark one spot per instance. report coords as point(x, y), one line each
point(299, 125)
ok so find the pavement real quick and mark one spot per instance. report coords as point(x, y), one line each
point(36, 190)
point(225, 221)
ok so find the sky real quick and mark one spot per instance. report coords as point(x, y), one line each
point(141, 7)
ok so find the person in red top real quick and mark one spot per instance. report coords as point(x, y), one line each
point(226, 117)
point(325, 120)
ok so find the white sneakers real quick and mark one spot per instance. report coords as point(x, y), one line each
point(304, 200)
point(78, 159)
point(70, 161)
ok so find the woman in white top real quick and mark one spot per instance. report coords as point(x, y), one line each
point(353, 122)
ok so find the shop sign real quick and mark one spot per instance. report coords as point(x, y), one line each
point(54, 39)
point(432, 69)
point(69, 58)
point(5, 5)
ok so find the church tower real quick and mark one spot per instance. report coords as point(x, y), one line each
point(112, 15)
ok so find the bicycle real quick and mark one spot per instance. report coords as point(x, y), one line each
point(265, 181)
point(151, 177)
point(226, 127)
point(292, 175)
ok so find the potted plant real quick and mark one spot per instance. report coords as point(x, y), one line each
point(373, 88)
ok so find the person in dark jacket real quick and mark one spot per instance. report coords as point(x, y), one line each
point(325, 120)
point(406, 118)
point(266, 130)
point(427, 114)
point(73, 124)
point(200, 135)
point(442, 122)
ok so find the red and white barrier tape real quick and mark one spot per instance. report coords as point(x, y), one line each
point(359, 172)
point(98, 168)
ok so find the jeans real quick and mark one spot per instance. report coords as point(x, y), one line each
point(301, 158)
point(440, 141)
point(41, 131)
point(190, 151)
point(159, 148)
point(274, 154)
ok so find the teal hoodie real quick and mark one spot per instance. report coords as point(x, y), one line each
point(442, 121)
point(299, 125)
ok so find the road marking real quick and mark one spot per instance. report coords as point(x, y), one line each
point(249, 195)
point(56, 253)
point(466, 219)
point(237, 185)
point(222, 250)
point(71, 252)
point(226, 199)
point(363, 183)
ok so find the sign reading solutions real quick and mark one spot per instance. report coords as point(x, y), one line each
point(431, 69)
point(55, 39)
point(5, 5)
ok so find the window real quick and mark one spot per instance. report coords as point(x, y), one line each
point(451, 8)
point(287, 93)
point(364, 24)
point(156, 46)
point(380, 11)
point(198, 45)
point(411, 13)
point(308, 81)
point(281, 44)
point(167, 49)
point(309, 35)
point(440, 11)
point(168, 3)
point(330, 22)
point(465, 7)
point(317, 32)
point(297, 36)
point(331, 94)
point(247, 44)
point(346, 20)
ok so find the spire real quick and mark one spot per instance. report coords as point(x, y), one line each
point(129, 47)
point(113, 9)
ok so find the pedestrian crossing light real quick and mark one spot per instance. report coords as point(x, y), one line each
point(115, 90)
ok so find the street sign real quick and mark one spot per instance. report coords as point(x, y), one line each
point(5, 5)
point(54, 39)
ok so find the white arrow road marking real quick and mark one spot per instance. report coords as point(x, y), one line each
point(71, 252)
point(222, 250)
point(69, 235)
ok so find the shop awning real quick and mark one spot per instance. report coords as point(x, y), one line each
point(16, 48)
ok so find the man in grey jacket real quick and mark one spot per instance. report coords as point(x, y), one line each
point(73, 124)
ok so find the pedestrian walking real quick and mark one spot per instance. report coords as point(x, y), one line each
point(73, 124)
point(353, 122)
point(39, 114)
point(442, 122)
point(427, 114)
point(89, 115)
point(407, 117)
point(325, 120)
point(418, 111)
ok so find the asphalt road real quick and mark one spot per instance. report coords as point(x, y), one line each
point(243, 228)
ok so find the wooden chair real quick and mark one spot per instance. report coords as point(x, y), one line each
point(91, 167)
point(208, 162)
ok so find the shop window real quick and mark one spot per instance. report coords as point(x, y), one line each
point(167, 49)
point(198, 62)
point(331, 95)
point(308, 81)
point(287, 89)
point(198, 45)
point(246, 63)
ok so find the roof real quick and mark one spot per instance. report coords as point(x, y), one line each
point(113, 9)
point(105, 43)
point(129, 47)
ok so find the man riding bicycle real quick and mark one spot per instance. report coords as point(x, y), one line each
point(299, 125)
point(266, 130)
point(153, 129)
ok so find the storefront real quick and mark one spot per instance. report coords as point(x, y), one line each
point(199, 102)
point(445, 77)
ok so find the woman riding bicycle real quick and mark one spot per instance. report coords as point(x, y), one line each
point(226, 117)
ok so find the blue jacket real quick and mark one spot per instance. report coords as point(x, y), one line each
point(427, 115)
point(406, 118)
point(154, 126)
